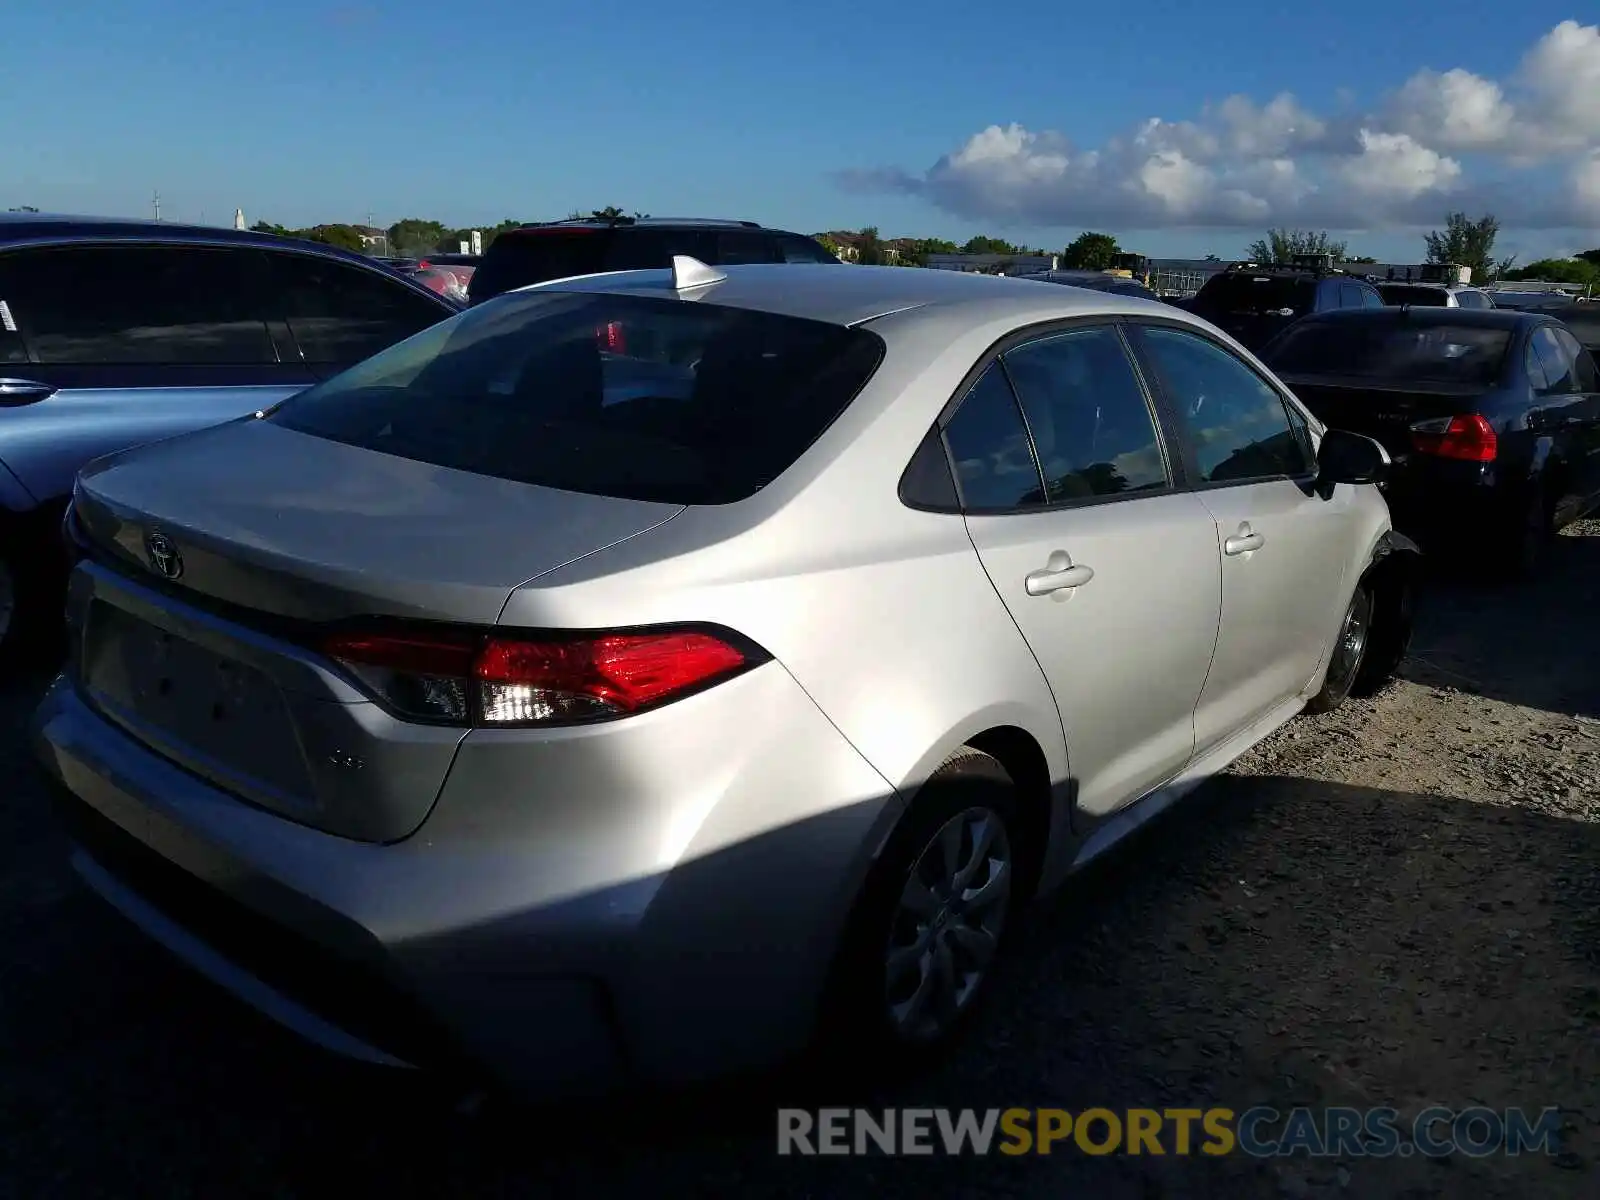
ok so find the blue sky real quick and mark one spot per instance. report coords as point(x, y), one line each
point(826, 115)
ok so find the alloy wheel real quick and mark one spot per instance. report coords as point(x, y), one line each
point(946, 928)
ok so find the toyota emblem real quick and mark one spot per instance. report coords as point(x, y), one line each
point(164, 557)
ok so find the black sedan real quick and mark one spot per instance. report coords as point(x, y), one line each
point(1492, 418)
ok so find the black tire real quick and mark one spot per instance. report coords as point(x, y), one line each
point(860, 1032)
point(1531, 533)
point(1349, 653)
point(30, 607)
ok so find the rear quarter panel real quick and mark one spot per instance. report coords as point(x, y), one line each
point(882, 613)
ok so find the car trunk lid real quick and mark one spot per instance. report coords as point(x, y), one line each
point(217, 559)
point(1385, 414)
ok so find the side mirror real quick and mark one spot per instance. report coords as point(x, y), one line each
point(1346, 457)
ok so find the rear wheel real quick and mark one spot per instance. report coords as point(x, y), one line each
point(1348, 655)
point(1531, 535)
point(932, 920)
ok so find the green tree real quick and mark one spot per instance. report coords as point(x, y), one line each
point(24, 208)
point(343, 236)
point(269, 227)
point(413, 237)
point(1559, 270)
point(1468, 243)
point(1090, 252)
point(869, 247)
point(608, 212)
point(1590, 256)
point(1282, 245)
point(983, 244)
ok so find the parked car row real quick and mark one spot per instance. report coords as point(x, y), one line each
point(711, 659)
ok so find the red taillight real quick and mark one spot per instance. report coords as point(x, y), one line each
point(505, 681)
point(611, 338)
point(1468, 438)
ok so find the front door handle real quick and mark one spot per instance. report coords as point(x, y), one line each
point(1244, 541)
point(1059, 574)
point(23, 391)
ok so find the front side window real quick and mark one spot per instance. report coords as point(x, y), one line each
point(1091, 424)
point(1237, 424)
point(616, 395)
point(994, 463)
point(340, 314)
point(744, 246)
point(124, 305)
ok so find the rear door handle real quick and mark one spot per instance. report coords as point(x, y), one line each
point(1244, 541)
point(1059, 574)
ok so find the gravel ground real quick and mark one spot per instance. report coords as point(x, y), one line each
point(1395, 904)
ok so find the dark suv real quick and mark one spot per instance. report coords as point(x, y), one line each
point(114, 333)
point(587, 246)
point(1254, 303)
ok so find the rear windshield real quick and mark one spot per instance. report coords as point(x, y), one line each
point(1584, 321)
point(515, 260)
point(641, 398)
point(1400, 293)
point(1256, 295)
point(1391, 350)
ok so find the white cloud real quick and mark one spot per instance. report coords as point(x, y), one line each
point(1441, 141)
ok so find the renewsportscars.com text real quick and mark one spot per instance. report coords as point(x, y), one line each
point(1213, 1132)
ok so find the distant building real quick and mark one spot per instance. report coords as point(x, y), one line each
point(372, 236)
point(238, 218)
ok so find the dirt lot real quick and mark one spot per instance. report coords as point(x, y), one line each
point(1397, 904)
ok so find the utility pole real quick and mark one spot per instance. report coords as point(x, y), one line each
point(155, 203)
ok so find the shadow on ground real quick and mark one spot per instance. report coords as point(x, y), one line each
point(1275, 941)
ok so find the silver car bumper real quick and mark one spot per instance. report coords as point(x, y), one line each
point(666, 925)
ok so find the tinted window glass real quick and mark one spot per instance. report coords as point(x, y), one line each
point(1583, 362)
point(1472, 299)
point(1349, 295)
point(1393, 350)
point(517, 259)
point(652, 249)
point(797, 249)
point(114, 305)
point(1242, 294)
point(1369, 296)
point(1535, 368)
point(1584, 322)
point(995, 467)
point(1557, 364)
point(627, 396)
point(12, 348)
point(340, 314)
point(1237, 423)
point(1412, 294)
point(744, 247)
point(1091, 425)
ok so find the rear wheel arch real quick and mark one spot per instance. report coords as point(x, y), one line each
point(1023, 759)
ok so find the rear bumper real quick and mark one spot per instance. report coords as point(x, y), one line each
point(1447, 506)
point(541, 955)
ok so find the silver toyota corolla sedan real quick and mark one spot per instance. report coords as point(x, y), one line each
point(639, 676)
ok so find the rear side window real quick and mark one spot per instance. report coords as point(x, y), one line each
point(518, 259)
point(1558, 365)
point(125, 305)
point(340, 314)
point(1583, 362)
point(1394, 351)
point(792, 248)
point(653, 249)
point(1402, 293)
point(994, 463)
point(1092, 428)
point(630, 396)
point(1240, 294)
point(744, 246)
